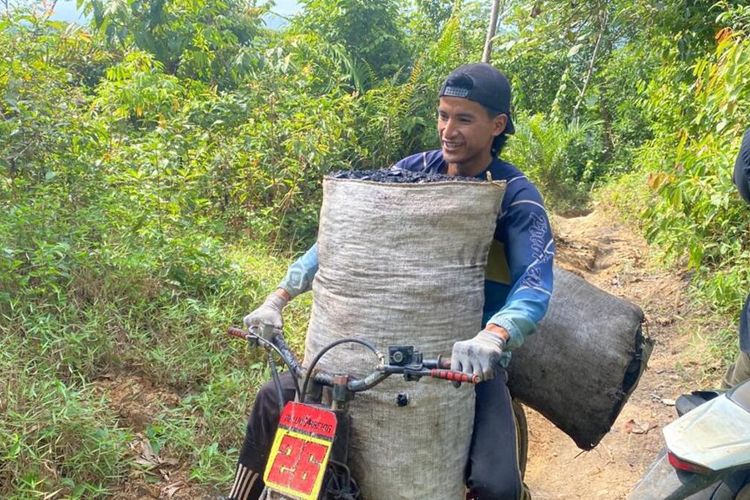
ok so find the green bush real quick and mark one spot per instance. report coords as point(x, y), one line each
point(546, 150)
point(697, 214)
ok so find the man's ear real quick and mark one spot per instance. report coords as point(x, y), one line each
point(499, 123)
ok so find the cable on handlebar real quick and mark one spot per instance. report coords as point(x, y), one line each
point(327, 348)
point(276, 381)
point(283, 358)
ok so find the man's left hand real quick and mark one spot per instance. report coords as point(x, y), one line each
point(480, 355)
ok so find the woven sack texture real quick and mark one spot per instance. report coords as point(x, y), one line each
point(584, 360)
point(403, 264)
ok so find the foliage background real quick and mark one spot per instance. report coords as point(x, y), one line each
point(160, 167)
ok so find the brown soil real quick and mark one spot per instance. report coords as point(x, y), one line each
point(135, 398)
point(156, 475)
point(605, 253)
point(614, 258)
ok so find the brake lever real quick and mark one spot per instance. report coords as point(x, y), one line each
point(253, 336)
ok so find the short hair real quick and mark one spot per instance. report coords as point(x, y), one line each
point(498, 143)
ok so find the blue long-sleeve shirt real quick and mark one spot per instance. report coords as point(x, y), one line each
point(518, 282)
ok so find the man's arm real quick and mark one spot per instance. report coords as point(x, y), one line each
point(268, 317)
point(299, 276)
point(529, 250)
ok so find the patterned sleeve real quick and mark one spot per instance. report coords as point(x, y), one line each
point(300, 275)
point(741, 175)
point(530, 252)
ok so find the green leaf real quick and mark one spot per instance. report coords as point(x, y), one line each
point(575, 49)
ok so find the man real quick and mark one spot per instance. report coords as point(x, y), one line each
point(739, 371)
point(473, 122)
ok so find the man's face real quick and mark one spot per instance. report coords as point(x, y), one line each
point(466, 132)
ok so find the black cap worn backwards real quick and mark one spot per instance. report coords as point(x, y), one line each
point(483, 84)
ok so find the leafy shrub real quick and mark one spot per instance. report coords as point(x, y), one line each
point(200, 40)
point(545, 150)
point(367, 30)
point(697, 214)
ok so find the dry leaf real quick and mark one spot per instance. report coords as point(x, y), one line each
point(633, 427)
point(170, 490)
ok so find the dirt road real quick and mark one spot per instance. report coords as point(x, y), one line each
point(615, 259)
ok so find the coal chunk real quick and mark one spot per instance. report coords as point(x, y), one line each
point(399, 176)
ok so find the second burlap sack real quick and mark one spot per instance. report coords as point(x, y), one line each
point(584, 360)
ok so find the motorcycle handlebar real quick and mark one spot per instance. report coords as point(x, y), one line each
point(435, 368)
point(455, 376)
point(236, 332)
point(277, 341)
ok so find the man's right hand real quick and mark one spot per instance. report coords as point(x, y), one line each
point(267, 318)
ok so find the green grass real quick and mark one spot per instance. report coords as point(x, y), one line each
point(58, 435)
point(54, 435)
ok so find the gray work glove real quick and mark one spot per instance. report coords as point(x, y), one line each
point(267, 318)
point(478, 356)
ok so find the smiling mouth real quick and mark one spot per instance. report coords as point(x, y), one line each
point(451, 145)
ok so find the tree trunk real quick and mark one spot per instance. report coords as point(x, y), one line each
point(592, 64)
point(605, 112)
point(491, 28)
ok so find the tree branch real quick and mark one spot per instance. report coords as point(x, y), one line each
point(491, 29)
point(51, 9)
point(592, 63)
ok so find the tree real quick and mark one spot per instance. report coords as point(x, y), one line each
point(200, 39)
point(584, 61)
point(491, 28)
point(368, 30)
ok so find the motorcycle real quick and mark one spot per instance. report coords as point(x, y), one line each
point(309, 455)
point(707, 453)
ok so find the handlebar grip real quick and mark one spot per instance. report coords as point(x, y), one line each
point(455, 376)
point(236, 332)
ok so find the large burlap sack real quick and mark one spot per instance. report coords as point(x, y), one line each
point(403, 264)
point(584, 360)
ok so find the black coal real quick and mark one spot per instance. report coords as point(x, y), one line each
point(394, 175)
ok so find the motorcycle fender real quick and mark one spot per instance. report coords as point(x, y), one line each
point(663, 482)
point(715, 435)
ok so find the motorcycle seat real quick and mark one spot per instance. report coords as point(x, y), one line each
point(688, 402)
